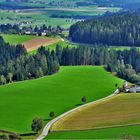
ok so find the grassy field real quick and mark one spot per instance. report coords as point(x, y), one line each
point(123, 109)
point(29, 99)
point(16, 39)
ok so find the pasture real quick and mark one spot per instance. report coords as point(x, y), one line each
point(16, 39)
point(120, 110)
point(29, 99)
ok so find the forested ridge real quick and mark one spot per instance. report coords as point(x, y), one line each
point(121, 29)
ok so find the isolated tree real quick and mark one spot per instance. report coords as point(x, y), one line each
point(37, 124)
point(84, 99)
point(116, 85)
point(9, 77)
point(52, 114)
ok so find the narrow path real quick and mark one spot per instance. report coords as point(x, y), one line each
point(49, 124)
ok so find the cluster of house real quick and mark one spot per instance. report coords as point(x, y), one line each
point(42, 33)
point(128, 88)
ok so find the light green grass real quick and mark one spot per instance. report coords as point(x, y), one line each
point(22, 101)
point(16, 39)
point(110, 133)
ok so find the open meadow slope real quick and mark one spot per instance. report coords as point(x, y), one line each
point(120, 110)
point(23, 101)
point(16, 39)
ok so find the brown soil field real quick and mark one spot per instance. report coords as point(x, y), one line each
point(35, 43)
point(123, 109)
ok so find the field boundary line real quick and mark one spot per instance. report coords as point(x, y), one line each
point(47, 127)
point(99, 128)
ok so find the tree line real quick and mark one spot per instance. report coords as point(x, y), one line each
point(17, 65)
point(121, 29)
point(16, 29)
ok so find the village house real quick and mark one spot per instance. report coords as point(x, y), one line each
point(130, 88)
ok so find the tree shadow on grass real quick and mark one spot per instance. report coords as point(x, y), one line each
point(28, 134)
point(46, 120)
point(78, 104)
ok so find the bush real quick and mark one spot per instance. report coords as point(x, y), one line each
point(52, 114)
point(37, 124)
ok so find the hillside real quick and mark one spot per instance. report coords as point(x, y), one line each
point(120, 110)
point(28, 99)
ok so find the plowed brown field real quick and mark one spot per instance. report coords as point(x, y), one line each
point(35, 43)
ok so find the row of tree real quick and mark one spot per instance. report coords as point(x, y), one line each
point(121, 29)
point(16, 29)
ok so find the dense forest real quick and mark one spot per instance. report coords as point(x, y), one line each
point(17, 65)
point(122, 29)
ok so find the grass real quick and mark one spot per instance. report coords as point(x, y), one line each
point(16, 39)
point(120, 110)
point(22, 101)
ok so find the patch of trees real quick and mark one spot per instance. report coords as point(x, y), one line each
point(119, 29)
point(37, 124)
point(82, 55)
point(17, 65)
point(9, 28)
point(126, 65)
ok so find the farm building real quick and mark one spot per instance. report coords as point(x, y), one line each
point(134, 89)
point(130, 88)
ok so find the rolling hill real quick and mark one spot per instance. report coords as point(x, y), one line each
point(58, 93)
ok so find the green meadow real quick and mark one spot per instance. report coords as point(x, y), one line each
point(23, 101)
point(16, 39)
